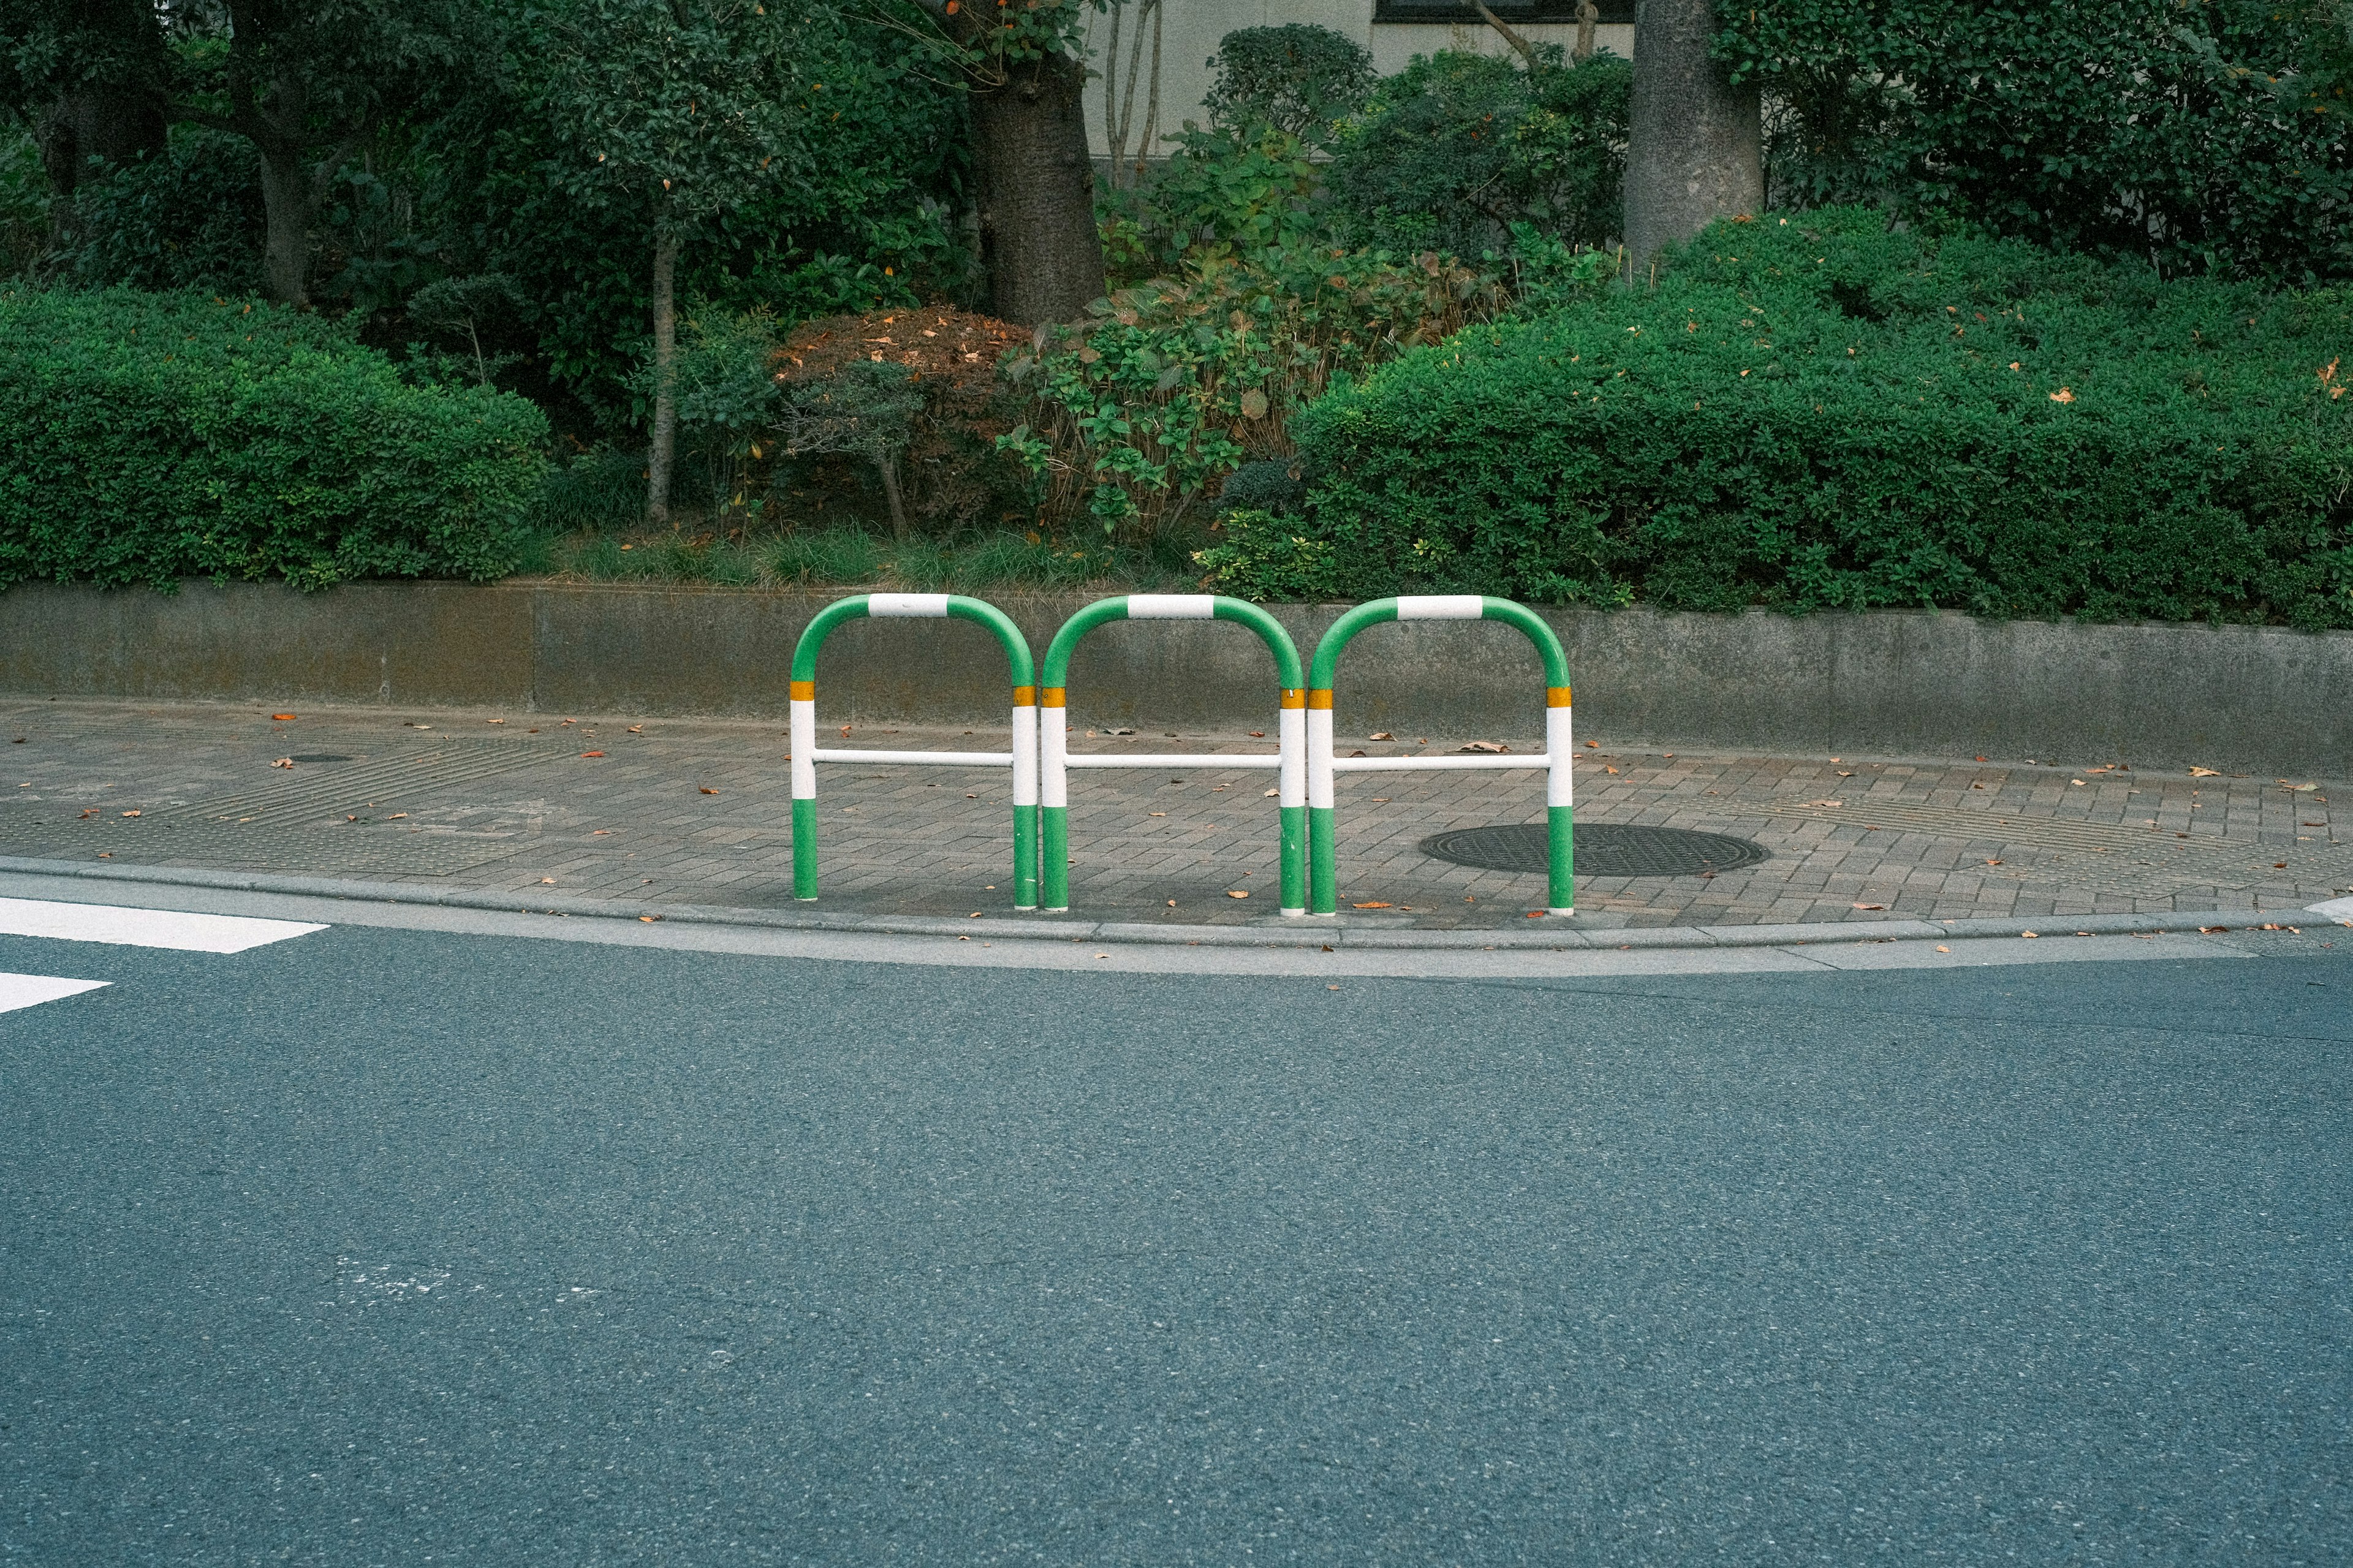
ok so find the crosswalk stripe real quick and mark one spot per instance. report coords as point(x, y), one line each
point(32, 990)
point(125, 927)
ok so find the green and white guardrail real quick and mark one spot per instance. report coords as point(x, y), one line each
point(1022, 759)
point(1289, 758)
point(1321, 765)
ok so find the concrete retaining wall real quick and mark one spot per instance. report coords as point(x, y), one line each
point(1891, 682)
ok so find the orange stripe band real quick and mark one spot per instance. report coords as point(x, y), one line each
point(1054, 697)
point(1024, 697)
point(1294, 696)
point(804, 690)
point(1556, 696)
point(1321, 698)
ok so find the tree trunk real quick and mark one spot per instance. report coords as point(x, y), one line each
point(1694, 142)
point(286, 186)
point(1037, 194)
point(665, 434)
point(887, 465)
point(116, 123)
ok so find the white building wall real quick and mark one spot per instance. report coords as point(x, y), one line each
point(1191, 28)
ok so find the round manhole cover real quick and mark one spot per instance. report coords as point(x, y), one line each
point(318, 757)
point(1603, 849)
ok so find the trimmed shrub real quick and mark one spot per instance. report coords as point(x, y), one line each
point(146, 437)
point(1817, 413)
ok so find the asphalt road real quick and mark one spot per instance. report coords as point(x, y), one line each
point(390, 1246)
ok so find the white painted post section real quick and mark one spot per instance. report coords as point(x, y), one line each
point(1440, 606)
point(908, 607)
point(804, 748)
point(1024, 754)
point(1172, 607)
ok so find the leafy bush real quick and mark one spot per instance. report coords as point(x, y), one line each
point(1298, 79)
point(1145, 410)
point(1455, 149)
point(2208, 137)
point(1223, 192)
point(148, 438)
point(1818, 413)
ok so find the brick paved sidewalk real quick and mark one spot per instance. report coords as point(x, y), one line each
point(700, 813)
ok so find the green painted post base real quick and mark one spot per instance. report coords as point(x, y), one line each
point(1056, 854)
point(1323, 874)
point(1025, 856)
point(804, 850)
point(1559, 833)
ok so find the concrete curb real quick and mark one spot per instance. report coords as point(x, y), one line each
point(1307, 932)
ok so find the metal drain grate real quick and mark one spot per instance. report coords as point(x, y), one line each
point(1603, 849)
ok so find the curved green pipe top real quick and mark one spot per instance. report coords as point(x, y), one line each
point(1327, 651)
point(1270, 632)
point(1556, 659)
point(1344, 630)
point(1065, 641)
point(961, 607)
point(820, 626)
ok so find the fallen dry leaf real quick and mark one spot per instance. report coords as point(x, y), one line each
point(1870, 905)
point(283, 763)
point(1257, 734)
point(2029, 933)
point(493, 720)
point(1237, 895)
point(2211, 930)
point(1380, 735)
point(715, 792)
point(547, 880)
point(636, 729)
point(1826, 802)
point(1944, 950)
point(1360, 751)
point(2205, 774)
point(1374, 905)
point(1993, 862)
point(91, 812)
point(1534, 915)
point(281, 717)
point(650, 918)
point(1483, 746)
point(591, 754)
point(395, 816)
point(130, 813)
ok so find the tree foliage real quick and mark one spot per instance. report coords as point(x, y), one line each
point(1453, 149)
point(1298, 78)
point(2206, 137)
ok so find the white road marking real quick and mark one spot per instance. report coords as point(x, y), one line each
point(2335, 909)
point(32, 990)
point(143, 928)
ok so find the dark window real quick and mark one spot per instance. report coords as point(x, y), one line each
point(1447, 12)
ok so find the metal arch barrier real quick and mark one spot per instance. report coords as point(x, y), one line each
point(1559, 815)
point(1290, 757)
point(1022, 759)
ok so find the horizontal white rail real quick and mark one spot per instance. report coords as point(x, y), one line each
point(1174, 760)
point(1431, 765)
point(939, 758)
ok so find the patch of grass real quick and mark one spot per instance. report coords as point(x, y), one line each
point(850, 558)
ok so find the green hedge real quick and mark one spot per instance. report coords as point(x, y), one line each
point(148, 438)
point(1817, 413)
